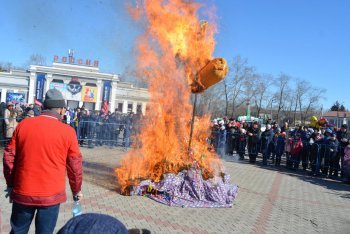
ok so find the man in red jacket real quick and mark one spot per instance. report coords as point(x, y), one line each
point(40, 152)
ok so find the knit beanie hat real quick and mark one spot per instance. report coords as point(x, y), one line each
point(54, 99)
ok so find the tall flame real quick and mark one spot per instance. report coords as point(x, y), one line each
point(174, 47)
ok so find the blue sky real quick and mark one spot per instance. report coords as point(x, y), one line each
point(306, 39)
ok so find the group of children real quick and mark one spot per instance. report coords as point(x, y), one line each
point(324, 151)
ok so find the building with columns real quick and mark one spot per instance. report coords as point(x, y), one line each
point(81, 85)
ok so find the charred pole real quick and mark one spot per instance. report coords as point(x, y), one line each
point(192, 121)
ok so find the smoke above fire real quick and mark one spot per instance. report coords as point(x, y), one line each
point(176, 44)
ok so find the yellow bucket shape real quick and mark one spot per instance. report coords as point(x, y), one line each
point(213, 72)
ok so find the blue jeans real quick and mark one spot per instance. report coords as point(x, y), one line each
point(45, 218)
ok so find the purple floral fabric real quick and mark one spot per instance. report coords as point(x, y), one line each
point(188, 189)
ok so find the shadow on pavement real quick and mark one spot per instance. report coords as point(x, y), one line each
point(100, 175)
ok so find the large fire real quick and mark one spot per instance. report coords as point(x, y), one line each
point(174, 48)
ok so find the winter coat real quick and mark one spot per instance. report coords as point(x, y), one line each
point(342, 138)
point(254, 139)
point(10, 123)
point(37, 158)
point(267, 138)
point(280, 144)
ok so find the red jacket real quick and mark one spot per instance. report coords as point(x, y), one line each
point(40, 152)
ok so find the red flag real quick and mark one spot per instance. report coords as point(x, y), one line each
point(105, 107)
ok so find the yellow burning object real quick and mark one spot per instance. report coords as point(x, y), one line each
point(213, 72)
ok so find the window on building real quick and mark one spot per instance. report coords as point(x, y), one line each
point(120, 107)
point(129, 108)
point(139, 108)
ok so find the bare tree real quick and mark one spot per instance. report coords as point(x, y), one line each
point(289, 105)
point(239, 73)
point(282, 83)
point(226, 96)
point(261, 91)
point(312, 98)
point(5, 66)
point(302, 88)
point(36, 59)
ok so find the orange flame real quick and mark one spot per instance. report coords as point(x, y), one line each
point(174, 47)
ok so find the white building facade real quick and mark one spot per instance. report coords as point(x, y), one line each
point(81, 85)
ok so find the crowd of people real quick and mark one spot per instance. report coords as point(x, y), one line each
point(94, 128)
point(325, 151)
point(11, 114)
point(97, 128)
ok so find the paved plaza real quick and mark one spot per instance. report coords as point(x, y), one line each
point(269, 201)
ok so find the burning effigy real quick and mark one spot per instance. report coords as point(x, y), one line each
point(172, 163)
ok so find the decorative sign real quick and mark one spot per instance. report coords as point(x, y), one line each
point(16, 98)
point(89, 94)
point(106, 94)
point(71, 91)
point(60, 87)
point(39, 90)
point(72, 60)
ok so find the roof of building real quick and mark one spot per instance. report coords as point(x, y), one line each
point(341, 114)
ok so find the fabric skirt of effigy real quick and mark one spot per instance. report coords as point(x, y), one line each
point(189, 189)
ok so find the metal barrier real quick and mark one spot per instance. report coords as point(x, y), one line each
point(99, 133)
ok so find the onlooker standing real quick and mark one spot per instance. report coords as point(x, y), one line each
point(20, 116)
point(10, 120)
point(221, 140)
point(30, 114)
point(2, 123)
point(36, 160)
point(343, 139)
point(253, 140)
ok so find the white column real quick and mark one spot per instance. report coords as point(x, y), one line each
point(81, 103)
point(134, 107)
point(99, 94)
point(125, 106)
point(112, 97)
point(144, 108)
point(48, 79)
point(31, 90)
point(3, 95)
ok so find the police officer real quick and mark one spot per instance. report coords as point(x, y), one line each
point(82, 128)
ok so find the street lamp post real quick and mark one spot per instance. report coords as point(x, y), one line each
point(272, 100)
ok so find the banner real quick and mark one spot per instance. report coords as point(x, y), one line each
point(74, 89)
point(16, 98)
point(60, 87)
point(89, 94)
point(70, 91)
point(105, 95)
point(39, 91)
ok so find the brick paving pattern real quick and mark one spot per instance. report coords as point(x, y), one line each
point(269, 201)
